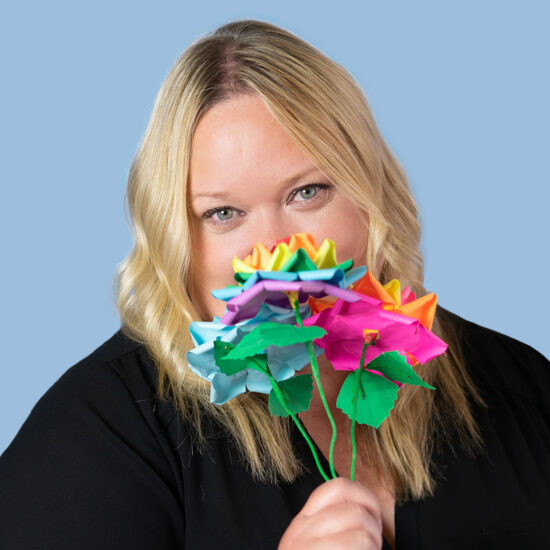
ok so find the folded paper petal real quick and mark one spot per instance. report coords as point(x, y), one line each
point(281, 256)
point(333, 276)
point(394, 299)
point(422, 309)
point(283, 362)
point(247, 303)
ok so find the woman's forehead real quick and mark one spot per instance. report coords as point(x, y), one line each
point(240, 142)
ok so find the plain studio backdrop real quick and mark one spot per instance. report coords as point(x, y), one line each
point(460, 92)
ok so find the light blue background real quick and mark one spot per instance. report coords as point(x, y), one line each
point(459, 91)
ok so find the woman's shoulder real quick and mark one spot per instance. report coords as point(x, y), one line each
point(495, 497)
point(119, 345)
point(94, 456)
point(497, 361)
point(118, 357)
point(113, 389)
point(119, 376)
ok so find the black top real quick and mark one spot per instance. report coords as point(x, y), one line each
point(101, 463)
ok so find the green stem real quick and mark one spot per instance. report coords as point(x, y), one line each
point(356, 383)
point(316, 375)
point(283, 401)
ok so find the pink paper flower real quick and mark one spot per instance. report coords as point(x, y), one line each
point(346, 322)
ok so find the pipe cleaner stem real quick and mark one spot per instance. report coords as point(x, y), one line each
point(282, 399)
point(356, 384)
point(317, 377)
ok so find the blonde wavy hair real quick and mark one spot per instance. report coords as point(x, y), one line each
point(324, 111)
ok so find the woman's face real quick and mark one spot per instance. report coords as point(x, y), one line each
point(249, 182)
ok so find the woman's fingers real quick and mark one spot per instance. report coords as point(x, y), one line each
point(338, 514)
point(349, 540)
point(341, 490)
point(343, 516)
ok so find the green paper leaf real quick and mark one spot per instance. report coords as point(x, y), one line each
point(375, 398)
point(233, 366)
point(273, 334)
point(394, 365)
point(297, 391)
point(299, 261)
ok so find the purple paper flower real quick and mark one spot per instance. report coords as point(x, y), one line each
point(271, 291)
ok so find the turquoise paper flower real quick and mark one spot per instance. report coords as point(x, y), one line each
point(282, 362)
point(333, 276)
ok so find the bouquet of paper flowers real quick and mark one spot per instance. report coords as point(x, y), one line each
point(293, 303)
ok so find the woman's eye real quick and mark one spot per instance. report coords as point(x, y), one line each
point(224, 214)
point(221, 215)
point(308, 192)
point(313, 192)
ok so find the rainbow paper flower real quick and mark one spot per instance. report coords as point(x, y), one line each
point(292, 261)
point(295, 264)
point(378, 332)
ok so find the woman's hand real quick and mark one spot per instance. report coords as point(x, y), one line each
point(340, 514)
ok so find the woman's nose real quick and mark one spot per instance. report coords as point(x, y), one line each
point(271, 229)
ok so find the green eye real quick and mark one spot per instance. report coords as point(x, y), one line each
point(308, 192)
point(224, 214)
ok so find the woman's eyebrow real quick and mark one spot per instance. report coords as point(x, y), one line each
point(222, 193)
point(211, 195)
point(300, 175)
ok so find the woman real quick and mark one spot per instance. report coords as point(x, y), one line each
point(256, 135)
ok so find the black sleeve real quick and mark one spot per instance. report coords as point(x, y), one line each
point(87, 471)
